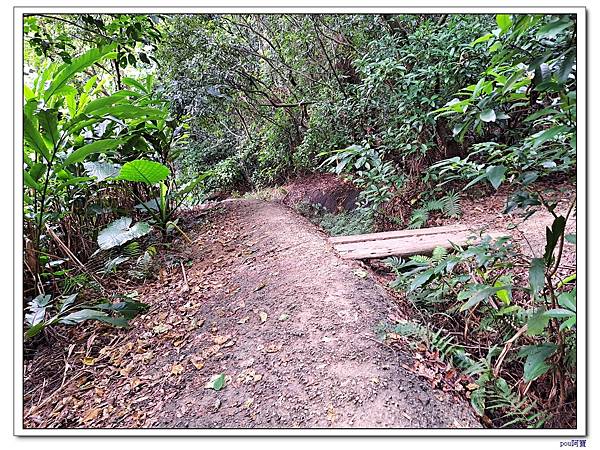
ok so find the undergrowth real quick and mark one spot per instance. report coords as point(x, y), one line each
point(519, 329)
point(345, 223)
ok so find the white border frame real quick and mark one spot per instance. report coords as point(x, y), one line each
point(582, 419)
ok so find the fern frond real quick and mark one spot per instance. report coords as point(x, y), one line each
point(439, 253)
point(517, 410)
point(451, 205)
point(434, 205)
point(132, 249)
point(421, 259)
point(443, 343)
point(418, 219)
point(394, 263)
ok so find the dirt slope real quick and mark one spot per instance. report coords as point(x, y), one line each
point(268, 304)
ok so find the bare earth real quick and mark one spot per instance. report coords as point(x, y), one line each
point(268, 304)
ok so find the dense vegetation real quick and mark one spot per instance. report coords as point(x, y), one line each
point(127, 118)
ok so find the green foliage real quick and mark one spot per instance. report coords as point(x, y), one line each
point(248, 101)
point(531, 83)
point(345, 223)
point(475, 281)
point(144, 171)
point(64, 310)
point(378, 80)
point(449, 206)
point(120, 231)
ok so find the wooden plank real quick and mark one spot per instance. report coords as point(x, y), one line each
point(399, 242)
point(400, 246)
point(403, 246)
point(396, 234)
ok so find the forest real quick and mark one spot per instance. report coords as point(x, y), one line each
point(189, 181)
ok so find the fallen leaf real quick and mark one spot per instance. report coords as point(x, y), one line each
point(360, 273)
point(229, 343)
point(263, 316)
point(248, 375)
point(375, 380)
point(259, 287)
point(91, 414)
point(210, 351)
point(177, 369)
point(216, 382)
point(197, 363)
point(126, 370)
point(273, 348)
point(88, 361)
point(244, 320)
point(283, 317)
point(219, 340)
point(161, 328)
point(248, 403)
point(331, 415)
point(472, 386)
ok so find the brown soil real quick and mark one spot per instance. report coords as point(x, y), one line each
point(268, 304)
point(530, 234)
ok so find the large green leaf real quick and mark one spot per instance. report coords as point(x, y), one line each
point(121, 231)
point(484, 38)
point(536, 324)
point(552, 29)
point(34, 138)
point(77, 65)
point(559, 313)
point(489, 115)
point(92, 314)
point(504, 22)
point(553, 234)
point(130, 112)
point(37, 309)
point(101, 170)
point(568, 300)
point(127, 309)
point(495, 175)
point(104, 102)
point(421, 279)
point(144, 171)
point(535, 364)
point(566, 66)
point(134, 83)
point(504, 295)
point(547, 135)
point(29, 181)
point(49, 123)
point(95, 147)
point(478, 293)
point(537, 275)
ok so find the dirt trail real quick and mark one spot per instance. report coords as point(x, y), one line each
point(290, 325)
point(316, 353)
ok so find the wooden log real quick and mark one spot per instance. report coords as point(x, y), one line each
point(420, 245)
point(396, 234)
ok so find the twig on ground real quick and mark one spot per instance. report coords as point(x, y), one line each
point(507, 347)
